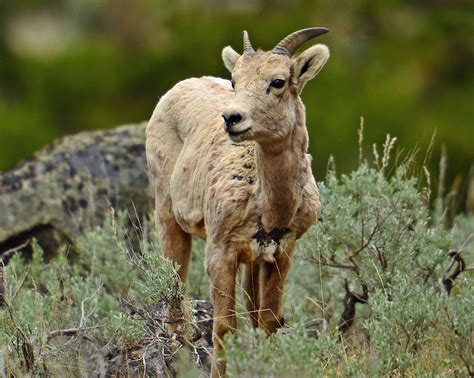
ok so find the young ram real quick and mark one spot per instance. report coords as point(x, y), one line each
point(230, 165)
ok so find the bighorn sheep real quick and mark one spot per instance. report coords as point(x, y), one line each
point(243, 183)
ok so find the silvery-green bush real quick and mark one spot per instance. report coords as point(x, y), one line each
point(375, 231)
point(60, 316)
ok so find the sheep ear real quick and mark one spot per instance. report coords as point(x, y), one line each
point(309, 63)
point(229, 56)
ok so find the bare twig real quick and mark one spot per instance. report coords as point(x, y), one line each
point(22, 283)
point(350, 300)
point(70, 331)
point(3, 284)
point(85, 316)
point(447, 282)
point(332, 264)
point(368, 241)
point(11, 251)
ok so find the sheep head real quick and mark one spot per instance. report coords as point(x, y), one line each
point(267, 85)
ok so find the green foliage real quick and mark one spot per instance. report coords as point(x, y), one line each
point(45, 305)
point(254, 354)
point(375, 232)
point(59, 313)
point(459, 324)
point(374, 229)
point(161, 281)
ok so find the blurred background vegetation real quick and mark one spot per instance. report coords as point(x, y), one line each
point(405, 66)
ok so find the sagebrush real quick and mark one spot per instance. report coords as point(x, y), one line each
point(378, 244)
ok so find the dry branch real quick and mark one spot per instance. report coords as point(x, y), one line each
point(350, 301)
point(447, 281)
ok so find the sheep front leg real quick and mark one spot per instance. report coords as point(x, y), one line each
point(273, 276)
point(250, 284)
point(222, 272)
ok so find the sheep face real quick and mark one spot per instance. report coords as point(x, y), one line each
point(266, 87)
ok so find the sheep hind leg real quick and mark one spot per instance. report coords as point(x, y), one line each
point(175, 243)
point(250, 284)
point(163, 146)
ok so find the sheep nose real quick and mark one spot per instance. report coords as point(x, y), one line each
point(230, 120)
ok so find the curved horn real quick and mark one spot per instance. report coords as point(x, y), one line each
point(247, 45)
point(290, 44)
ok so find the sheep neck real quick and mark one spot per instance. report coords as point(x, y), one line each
point(279, 168)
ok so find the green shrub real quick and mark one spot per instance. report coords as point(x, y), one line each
point(62, 316)
point(375, 233)
point(376, 240)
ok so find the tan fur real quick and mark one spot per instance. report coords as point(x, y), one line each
point(226, 191)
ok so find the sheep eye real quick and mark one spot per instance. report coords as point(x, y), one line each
point(232, 82)
point(278, 83)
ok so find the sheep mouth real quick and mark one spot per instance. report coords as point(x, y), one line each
point(237, 136)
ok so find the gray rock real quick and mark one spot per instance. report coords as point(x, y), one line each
point(72, 184)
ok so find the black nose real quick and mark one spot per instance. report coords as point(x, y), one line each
point(230, 120)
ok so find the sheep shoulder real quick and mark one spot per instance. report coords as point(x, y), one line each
point(210, 175)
